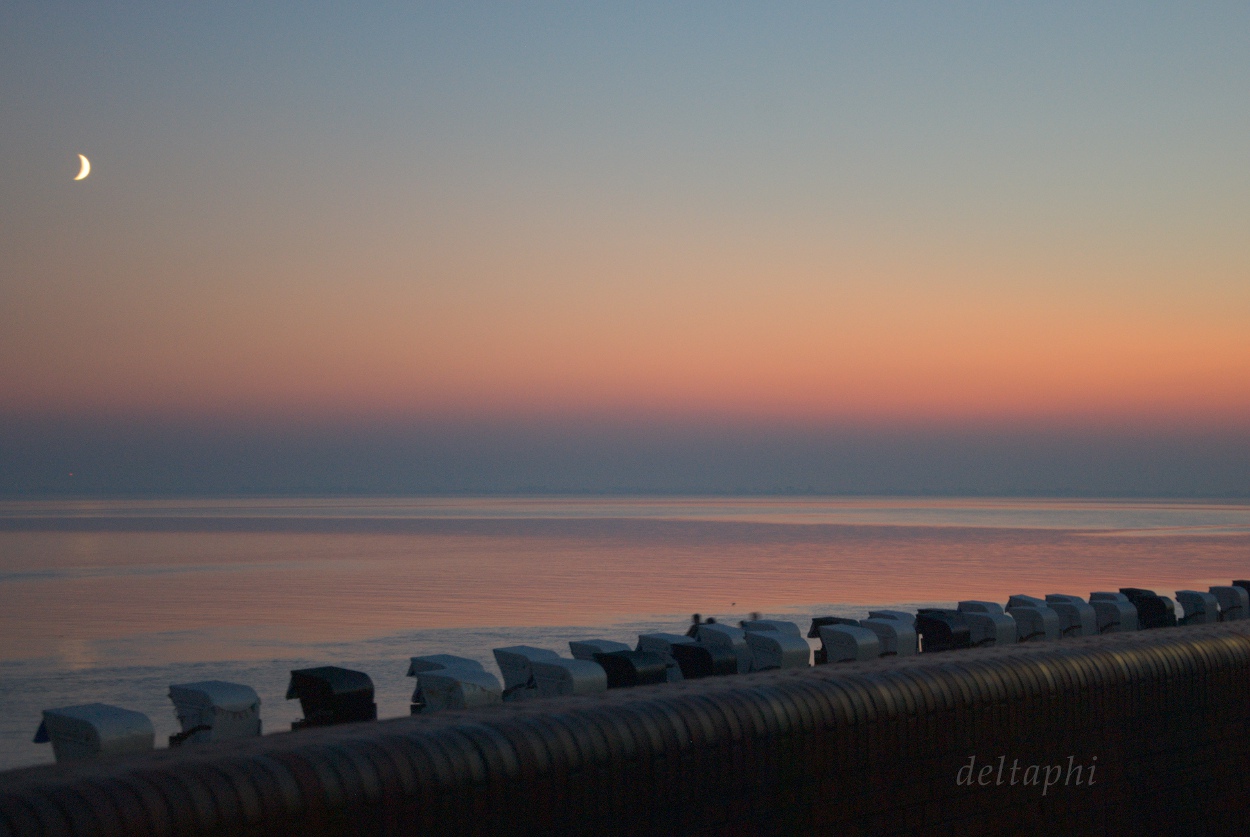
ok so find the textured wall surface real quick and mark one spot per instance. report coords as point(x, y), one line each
point(868, 748)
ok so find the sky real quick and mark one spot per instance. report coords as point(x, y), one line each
point(673, 247)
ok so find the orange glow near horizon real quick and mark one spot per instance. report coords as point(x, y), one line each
point(860, 348)
point(695, 317)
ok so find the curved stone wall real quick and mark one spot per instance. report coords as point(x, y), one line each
point(1158, 720)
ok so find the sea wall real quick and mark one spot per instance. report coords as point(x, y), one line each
point(1149, 733)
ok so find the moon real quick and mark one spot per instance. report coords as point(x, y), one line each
point(86, 168)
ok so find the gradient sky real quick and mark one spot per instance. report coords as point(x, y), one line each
point(619, 231)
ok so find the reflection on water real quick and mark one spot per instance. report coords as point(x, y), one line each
point(112, 600)
point(981, 512)
point(75, 654)
point(231, 577)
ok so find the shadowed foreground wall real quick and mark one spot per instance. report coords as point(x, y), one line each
point(873, 748)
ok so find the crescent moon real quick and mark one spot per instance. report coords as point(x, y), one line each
point(86, 168)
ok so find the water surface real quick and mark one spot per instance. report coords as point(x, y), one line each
point(114, 600)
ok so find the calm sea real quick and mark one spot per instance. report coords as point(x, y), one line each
point(114, 600)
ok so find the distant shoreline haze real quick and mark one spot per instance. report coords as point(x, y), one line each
point(46, 457)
